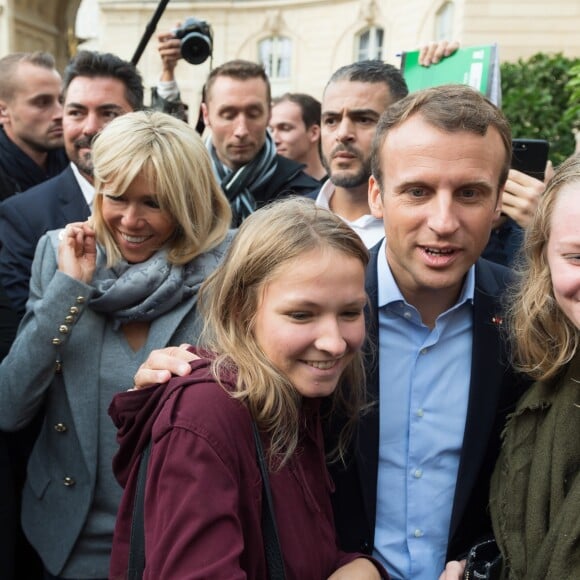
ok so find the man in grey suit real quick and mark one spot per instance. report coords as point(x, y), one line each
point(96, 89)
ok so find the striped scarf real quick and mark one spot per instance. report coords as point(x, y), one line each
point(238, 185)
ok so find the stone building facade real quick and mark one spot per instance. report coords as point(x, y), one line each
point(300, 41)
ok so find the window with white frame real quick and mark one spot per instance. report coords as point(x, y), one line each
point(444, 22)
point(369, 44)
point(275, 55)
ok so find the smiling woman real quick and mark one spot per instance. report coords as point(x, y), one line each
point(136, 222)
point(535, 488)
point(102, 291)
point(284, 328)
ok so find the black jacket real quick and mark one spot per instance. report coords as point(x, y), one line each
point(494, 391)
point(24, 218)
point(18, 172)
point(289, 179)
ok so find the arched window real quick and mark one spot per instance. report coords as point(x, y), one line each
point(369, 44)
point(275, 55)
point(444, 22)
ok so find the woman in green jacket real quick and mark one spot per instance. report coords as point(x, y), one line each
point(535, 489)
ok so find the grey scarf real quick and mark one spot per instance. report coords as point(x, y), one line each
point(142, 292)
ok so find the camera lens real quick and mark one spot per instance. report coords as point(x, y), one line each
point(195, 47)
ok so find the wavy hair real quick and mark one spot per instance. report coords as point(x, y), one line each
point(229, 299)
point(543, 337)
point(173, 159)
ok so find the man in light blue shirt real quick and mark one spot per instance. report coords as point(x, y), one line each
point(418, 388)
point(414, 493)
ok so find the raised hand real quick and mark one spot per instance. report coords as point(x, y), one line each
point(433, 52)
point(77, 251)
point(169, 49)
point(521, 197)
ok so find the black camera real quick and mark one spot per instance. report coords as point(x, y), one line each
point(196, 40)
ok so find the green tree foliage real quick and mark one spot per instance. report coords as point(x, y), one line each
point(573, 113)
point(536, 97)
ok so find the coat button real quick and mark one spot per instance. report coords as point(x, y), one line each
point(365, 547)
point(69, 319)
point(68, 481)
point(73, 310)
point(60, 428)
point(56, 341)
point(80, 300)
point(63, 329)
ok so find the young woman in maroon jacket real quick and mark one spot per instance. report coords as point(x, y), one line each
point(284, 328)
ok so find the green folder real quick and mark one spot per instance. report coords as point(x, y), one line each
point(476, 66)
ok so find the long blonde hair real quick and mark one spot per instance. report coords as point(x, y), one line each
point(544, 339)
point(229, 300)
point(172, 157)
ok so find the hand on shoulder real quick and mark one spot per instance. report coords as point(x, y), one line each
point(162, 364)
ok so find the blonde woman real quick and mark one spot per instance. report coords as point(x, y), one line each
point(284, 326)
point(102, 295)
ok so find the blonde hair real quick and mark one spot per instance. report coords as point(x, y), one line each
point(543, 337)
point(173, 159)
point(229, 299)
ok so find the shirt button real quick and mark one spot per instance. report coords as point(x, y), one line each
point(418, 533)
point(424, 350)
point(420, 412)
point(407, 315)
point(418, 473)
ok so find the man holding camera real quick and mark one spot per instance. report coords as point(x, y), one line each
point(236, 107)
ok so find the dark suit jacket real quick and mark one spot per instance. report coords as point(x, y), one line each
point(494, 390)
point(288, 179)
point(24, 218)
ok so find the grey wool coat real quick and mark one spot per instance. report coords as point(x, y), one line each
point(53, 368)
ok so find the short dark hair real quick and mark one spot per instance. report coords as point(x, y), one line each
point(373, 71)
point(104, 64)
point(9, 65)
point(451, 108)
point(309, 106)
point(241, 70)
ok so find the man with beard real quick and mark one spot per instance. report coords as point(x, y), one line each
point(354, 98)
point(30, 122)
point(97, 88)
